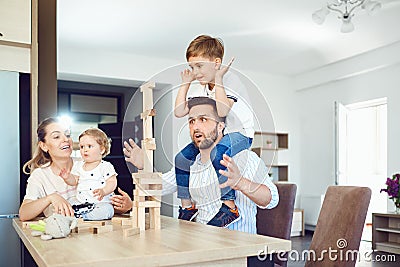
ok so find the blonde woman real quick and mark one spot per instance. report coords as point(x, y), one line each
point(46, 191)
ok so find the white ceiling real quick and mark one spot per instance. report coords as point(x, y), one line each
point(271, 36)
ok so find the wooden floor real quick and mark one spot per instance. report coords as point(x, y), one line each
point(368, 259)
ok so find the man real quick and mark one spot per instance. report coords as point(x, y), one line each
point(246, 173)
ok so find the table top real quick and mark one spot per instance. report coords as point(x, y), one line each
point(177, 242)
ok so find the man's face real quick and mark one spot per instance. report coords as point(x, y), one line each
point(203, 69)
point(203, 125)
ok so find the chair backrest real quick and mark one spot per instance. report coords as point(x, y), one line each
point(277, 222)
point(339, 226)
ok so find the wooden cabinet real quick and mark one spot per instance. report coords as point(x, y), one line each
point(15, 35)
point(267, 146)
point(386, 232)
point(15, 21)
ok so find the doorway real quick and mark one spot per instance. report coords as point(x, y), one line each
point(361, 148)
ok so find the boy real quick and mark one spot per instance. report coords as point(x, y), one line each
point(204, 55)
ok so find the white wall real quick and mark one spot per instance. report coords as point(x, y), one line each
point(110, 64)
point(281, 98)
point(316, 113)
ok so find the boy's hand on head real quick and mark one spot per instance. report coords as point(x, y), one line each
point(221, 70)
point(187, 76)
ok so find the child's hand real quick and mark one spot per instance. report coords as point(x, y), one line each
point(187, 76)
point(99, 193)
point(64, 174)
point(221, 70)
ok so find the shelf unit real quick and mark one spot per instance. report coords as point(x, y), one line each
point(386, 232)
point(16, 35)
point(267, 146)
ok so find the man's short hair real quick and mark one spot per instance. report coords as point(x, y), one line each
point(203, 100)
point(205, 46)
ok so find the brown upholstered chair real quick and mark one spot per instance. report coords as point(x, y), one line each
point(339, 226)
point(277, 222)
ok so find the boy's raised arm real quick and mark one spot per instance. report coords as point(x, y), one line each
point(224, 104)
point(181, 108)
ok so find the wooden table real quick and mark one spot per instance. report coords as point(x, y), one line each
point(177, 243)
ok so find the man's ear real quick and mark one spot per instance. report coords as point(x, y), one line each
point(43, 146)
point(221, 126)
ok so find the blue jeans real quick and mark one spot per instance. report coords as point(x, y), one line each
point(102, 211)
point(230, 144)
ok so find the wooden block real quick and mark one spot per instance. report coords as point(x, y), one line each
point(131, 231)
point(134, 215)
point(147, 127)
point(94, 223)
point(148, 160)
point(82, 229)
point(147, 91)
point(155, 186)
point(126, 222)
point(154, 198)
point(155, 219)
point(101, 229)
point(147, 175)
point(121, 220)
point(141, 219)
point(149, 144)
point(137, 198)
point(147, 204)
point(147, 181)
point(147, 85)
point(150, 112)
point(145, 192)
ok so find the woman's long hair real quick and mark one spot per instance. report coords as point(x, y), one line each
point(40, 157)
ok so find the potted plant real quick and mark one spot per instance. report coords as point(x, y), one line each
point(393, 190)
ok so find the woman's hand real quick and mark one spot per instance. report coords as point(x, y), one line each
point(122, 203)
point(60, 205)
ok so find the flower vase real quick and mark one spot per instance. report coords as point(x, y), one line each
point(397, 210)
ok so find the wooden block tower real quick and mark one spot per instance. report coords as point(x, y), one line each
point(148, 184)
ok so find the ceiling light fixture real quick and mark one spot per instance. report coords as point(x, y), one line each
point(346, 10)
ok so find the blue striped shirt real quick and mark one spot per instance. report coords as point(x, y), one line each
point(205, 191)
